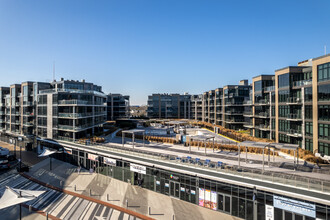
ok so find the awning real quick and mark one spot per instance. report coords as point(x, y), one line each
point(13, 196)
point(47, 152)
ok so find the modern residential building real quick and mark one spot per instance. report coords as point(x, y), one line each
point(66, 110)
point(117, 106)
point(223, 106)
point(196, 107)
point(169, 106)
point(293, 106)
point(260, 108)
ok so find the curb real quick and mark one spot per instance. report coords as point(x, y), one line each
point(121, 209)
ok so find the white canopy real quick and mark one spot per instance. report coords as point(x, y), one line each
point(47, 152)
point(13, 196)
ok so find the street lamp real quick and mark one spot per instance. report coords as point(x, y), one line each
point(20, 154)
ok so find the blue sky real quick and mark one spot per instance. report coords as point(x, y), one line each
point(139, 47)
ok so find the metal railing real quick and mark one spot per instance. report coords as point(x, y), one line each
point(276, 178)
point(269, 88)
point(293, 100)
point(294, 116)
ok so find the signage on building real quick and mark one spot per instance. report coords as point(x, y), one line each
point(157, 182)
point(174, 177)
point(93, 157)
point(167, 185)
point(109, 161)
point(269, 212)
point(296, 206)
point(138, 168)
point(193, 192)
point(182, 189)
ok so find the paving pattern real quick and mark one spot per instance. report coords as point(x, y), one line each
point(60, 205)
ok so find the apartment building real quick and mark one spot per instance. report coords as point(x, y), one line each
point(169, 106)
point(196, 107)
point(222, 106)
point(117, 106)
point(260, 108)
point(66, 110)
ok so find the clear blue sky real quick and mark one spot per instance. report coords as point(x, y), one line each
point(139, 47)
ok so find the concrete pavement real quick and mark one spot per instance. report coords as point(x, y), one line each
point(102, 187)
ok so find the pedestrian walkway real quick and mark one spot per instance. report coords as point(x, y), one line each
point(57, 204)
point(107, 189)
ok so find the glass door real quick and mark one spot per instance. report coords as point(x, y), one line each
point(175, 189)
point(224, 203)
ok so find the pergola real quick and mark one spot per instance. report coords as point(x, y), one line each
point(177, 123)
point(133, 132)
point(264, 145)
point(202, 138)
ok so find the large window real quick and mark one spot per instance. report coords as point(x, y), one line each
point(283, 80)
point(324, 93)
point(323, 72)
point(258, 86)
point(308, 94)
point(309, 145)
point(324, 148)
point(283, 96)
point(324, 112)
point(309, 128)
point(308, 112)
point(324, 131)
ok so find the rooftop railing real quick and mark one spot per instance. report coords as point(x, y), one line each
point(269, 176)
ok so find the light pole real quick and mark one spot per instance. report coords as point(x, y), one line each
point(20, 154)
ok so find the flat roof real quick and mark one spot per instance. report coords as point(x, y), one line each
point(134, 131)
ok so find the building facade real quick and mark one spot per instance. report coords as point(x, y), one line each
point(170, 106)
point(63, 110)
point(117, 106)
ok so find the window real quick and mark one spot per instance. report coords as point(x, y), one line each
point(324, 93)
point(324, 131)
point(309, 128)
point(324, 112)
point(283, 95)
point(257, 86)
point(323, 72)
point(309, 145)
point(283, 80)
point(324, 148)
point(309, 112)
point(308, 94)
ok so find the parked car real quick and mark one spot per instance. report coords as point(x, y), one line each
point(4, 151)
point(4, 164)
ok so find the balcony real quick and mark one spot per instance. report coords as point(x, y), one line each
point(262, 102)
point(28, 103)
point(302, 83)
point(293, 117)
point(238, 121)
point(248, 114)
point(233, 113)
point(74, 102)
point(262, 115)
point(263, 127)
point(269, 89)
point(74, 115)
point(249, 125)
point(294, 133)
point(247, 102)
point(28, 124)
point(293, 101)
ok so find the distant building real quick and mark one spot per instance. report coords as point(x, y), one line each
point(169, 106)
point(63, 110)
point(117, 106)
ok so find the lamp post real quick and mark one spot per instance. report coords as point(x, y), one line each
point(20, 153)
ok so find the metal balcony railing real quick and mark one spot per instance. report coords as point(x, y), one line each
point(293, 100)
point(294, 116)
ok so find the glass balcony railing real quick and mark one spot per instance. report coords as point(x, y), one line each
point(269, 88)
point(302, 83)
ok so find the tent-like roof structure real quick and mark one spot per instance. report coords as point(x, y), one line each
point(47, 152)
point(13, 196)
